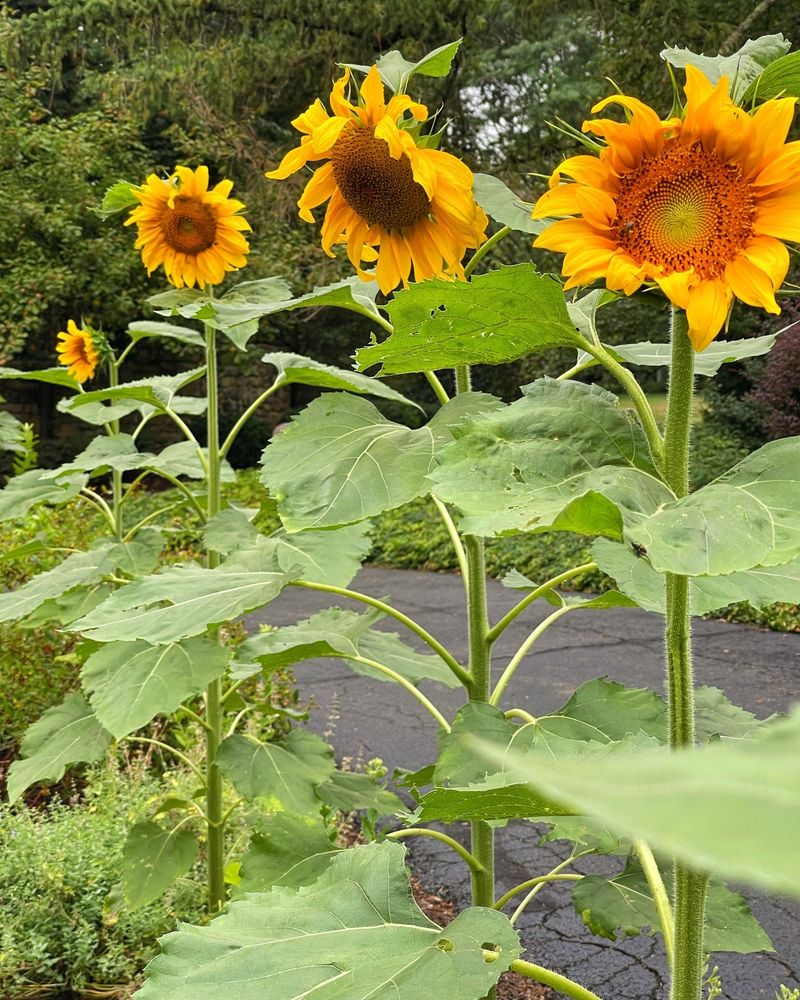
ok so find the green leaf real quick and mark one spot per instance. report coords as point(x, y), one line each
point(158, 391)
point(384, 945)
point(501, 204)
point(141, 554)
point(67, 734)
point(51, 376)
point(153, 858)
point(686, 802)
point(741, 68)
point(396, 72)
point(78, 569)
point(183, 459)
point(716, 716)
point(606, 711)
point(296, 369)
point(66, 608)
point(492, 319)
point(341, 461)
point(708, 363)
point(547, 461)
point(286, 773)
point(351, 293)
point(758, 499)
point(129, 683)
point(349, 792)
point(332, 557)
point(118, 198)
point(290, 851)
point(624, 905)
point(38, 486)
point(10, 432)
point(344, 634)
point(142, 329)
point(110, 451)
point(180, 602)
point(229, 530)
point(780, 78)
point(584, 833)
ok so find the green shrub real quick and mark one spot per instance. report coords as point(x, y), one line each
point(57, 868)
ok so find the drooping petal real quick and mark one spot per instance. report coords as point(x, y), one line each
point(707, 310)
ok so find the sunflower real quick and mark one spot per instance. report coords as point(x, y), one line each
point(698, 204)
point(389, 199)
point(78, 352)
point(195, 233)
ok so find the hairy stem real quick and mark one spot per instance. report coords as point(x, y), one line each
point(213, 696)
point(690, 886)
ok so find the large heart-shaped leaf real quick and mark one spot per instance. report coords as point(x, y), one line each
point(67, 734)
point(566, 455)
point(129, 683)
point(286, 773)
point(341, 461)
point(355, 932)
point(341, 634)
point(490, 320)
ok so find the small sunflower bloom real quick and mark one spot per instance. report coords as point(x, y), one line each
point(699, 205)
point(389, 199)
point(196, 233)
point(78, 352)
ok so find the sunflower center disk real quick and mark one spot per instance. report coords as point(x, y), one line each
point(685, 209)
point(377, 187)
point(189, 227)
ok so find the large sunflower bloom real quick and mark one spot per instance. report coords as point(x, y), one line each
point(699, 204)
point(77, 351)
point(390, 199)
point(195, 233)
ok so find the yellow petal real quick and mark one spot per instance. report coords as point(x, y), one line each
point(319, 189)
point(750, 284)
point(676, 286)
point(771, 256)
point(373, 94)
point(707, 310)
point(339, 103)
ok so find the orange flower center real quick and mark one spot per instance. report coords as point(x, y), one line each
point(377, 187)
point(684, 209)
point(189, 227)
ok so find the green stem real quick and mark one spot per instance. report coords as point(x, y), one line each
point(426, 703)
point(184, 428)
point(184, 489)
point(482, 250)
point(507, 619)
point(398, 616)
point(455, 538)
point(213, 699)
point(660, 897)
point(97, 501)
point(552, 979)
point(116, 475)
point(690, 886)
point(520, 713)
point(473, 862)
point(251, 409)
point(637, 397)
point(522, 652)
point(531, 882)
point(175, 753)
point(463, 379)
point(438, 388)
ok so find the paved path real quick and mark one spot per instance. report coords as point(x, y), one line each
point(364, 718)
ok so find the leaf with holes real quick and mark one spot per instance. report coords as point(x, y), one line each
point(384, 945)
point(496, 317)
point(564, 456)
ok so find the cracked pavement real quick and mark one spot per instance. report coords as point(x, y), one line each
point(364, 718)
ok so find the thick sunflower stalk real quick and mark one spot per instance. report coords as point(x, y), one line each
point(697, 205)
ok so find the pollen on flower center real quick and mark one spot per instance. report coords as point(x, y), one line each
point(379, 188)
point(189, 227)
point(685, 209)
